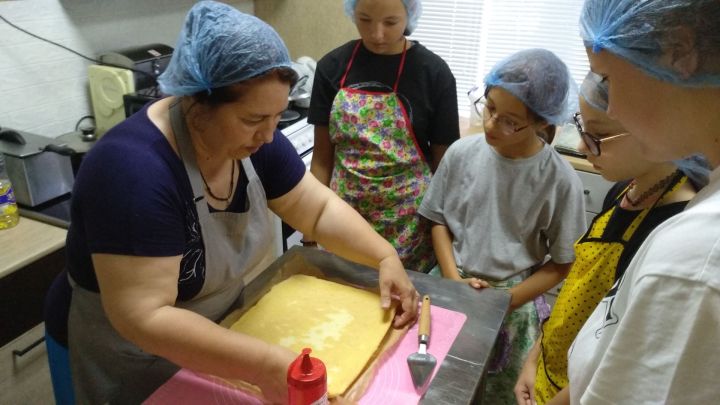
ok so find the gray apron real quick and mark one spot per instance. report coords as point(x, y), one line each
point(109, 369)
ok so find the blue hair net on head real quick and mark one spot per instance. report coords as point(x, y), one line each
point(220, 46)
point(697, 168)
point(645, 32)
point(595, 91)
point(412, 7)
point(540, 80)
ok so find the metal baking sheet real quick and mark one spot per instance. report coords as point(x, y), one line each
point(459, 378)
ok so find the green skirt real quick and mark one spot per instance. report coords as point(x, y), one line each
point(518, 333)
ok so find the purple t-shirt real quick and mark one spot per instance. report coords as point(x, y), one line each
point(133, 197)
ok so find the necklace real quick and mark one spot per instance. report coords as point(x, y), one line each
point(663, 183)
point(232, 183)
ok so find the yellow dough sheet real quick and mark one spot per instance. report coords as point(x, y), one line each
point(344, 326)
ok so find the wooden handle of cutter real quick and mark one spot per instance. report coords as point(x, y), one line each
point(424, 328)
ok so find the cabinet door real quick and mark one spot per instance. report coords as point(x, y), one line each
point(24, 375)
point(595, 188)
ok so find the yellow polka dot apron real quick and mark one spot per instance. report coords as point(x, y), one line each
point(379, 168)
point(597, 254)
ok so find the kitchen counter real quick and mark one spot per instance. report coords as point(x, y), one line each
point(27, 242)
point(580, 164)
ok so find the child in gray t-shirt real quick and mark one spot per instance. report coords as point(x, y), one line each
point(506, 208)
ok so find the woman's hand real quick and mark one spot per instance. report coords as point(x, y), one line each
point(395, 283)
point(475, 283)
point(272, 374)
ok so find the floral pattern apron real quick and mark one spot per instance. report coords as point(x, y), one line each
point(379, 168)
point(596, 260)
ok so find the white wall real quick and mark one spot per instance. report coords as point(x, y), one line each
point(43, 88)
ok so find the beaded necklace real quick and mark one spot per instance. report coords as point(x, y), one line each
point(232, 183)
point(660, 185)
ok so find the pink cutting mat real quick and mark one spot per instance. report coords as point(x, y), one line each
point(392, 383)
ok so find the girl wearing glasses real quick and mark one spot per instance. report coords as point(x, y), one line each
point(506, 208)
point(653, 338)
point(632, 209)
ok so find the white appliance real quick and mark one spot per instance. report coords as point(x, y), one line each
point(107, 87)
point(302, 136)
point(124, 72)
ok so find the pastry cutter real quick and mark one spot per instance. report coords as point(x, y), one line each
point(422, 363)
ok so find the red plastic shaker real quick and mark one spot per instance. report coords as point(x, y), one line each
point(307, 381)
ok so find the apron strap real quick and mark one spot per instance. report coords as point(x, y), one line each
point(352, 58)
point(354, 54)
point(185, 149)
point(401, 67)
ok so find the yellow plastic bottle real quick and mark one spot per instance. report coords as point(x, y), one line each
point(9, 215)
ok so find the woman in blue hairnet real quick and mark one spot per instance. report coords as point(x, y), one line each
point(170, 211)
point(646, 194)
point(653, 338)
point(385, 111)
point(506, 208)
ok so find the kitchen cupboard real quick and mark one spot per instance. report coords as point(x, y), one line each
point(595, 188)
point(32, 255)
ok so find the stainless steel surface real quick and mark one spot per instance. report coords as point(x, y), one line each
point(37, 175)
point(460, 375)
point(422, 363)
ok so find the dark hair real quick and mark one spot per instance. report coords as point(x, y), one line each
point(547, 133)
point(701, 17)
point(232, 93)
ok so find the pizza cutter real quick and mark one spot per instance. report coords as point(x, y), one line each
point(422, 363)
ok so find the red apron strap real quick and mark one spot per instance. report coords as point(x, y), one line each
point(352, 58)
point(402, 66)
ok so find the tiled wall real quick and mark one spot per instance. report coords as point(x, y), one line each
point(43, 88)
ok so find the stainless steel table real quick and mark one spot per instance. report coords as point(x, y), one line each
point(460, 375)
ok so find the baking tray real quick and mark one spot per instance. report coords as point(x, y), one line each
point(460, 376)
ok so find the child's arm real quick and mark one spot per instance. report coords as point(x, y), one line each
point(562, 397)
point(442, 245)
point(545, 278)
point(525, 385)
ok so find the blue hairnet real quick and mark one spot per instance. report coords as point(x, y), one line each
point(595, 91)
point(220, 46)
point(413, 8)
point(540, 80)
point(642, 31)
point(697, 168)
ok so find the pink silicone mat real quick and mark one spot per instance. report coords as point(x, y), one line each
point(391, 385)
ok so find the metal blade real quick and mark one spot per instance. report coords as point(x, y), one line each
point(422, 363)
point(421, 366)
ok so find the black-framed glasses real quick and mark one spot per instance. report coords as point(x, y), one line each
point(505, 124)
point(591, 141)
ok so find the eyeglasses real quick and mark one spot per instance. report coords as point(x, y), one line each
point(505, 124)
point(591, 141)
